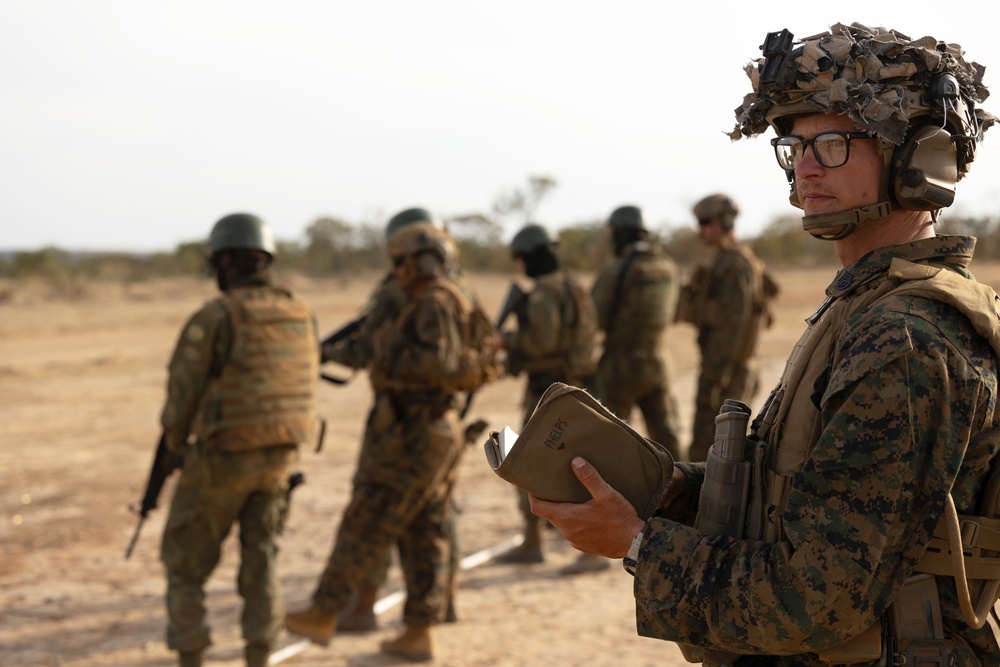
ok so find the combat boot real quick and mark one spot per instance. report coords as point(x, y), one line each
point(586, 563)
point(313, 623)
point(360, 615)
point(189, 659)
point(257, 655)
point(530, 550)
point(414, 644)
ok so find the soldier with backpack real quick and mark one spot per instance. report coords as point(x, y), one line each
point(554, 342)
point(424, 361)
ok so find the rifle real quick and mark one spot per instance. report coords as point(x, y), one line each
point(514, 303)
point(163, 465)
point(340, 334)
point(345, 331)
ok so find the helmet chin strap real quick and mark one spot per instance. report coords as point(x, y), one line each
point(846, 221)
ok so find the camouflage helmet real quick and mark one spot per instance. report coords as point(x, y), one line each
point(419, 237)
point(718, 206)
point(916, 97)
point(241, 231)
point(627, 217)
point(408, 217)
point(530, 238)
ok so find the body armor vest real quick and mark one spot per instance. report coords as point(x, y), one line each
point(789, 424)
point(644, 300)
point(264, 395)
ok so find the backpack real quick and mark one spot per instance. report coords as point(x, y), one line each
point(479, 363)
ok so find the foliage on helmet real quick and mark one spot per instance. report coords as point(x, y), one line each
point(241, 231)
point(878, 77)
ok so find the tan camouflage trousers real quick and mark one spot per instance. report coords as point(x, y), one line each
point(402, 496)
point(216, 490)
point(380, 564)
point(636, 376)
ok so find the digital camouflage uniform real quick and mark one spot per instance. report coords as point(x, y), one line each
point(242, 382)
point(553, 324)
point(890, 401)
point(408, 462)
point(384, 306)
point(727, 309)
point(635, 297)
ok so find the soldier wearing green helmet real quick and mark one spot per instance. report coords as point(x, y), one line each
point(554, 342)
point(729, 303)
point(240, 399)
point(636, 296)
point(845, 527)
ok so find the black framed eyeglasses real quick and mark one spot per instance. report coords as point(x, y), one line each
point(832, 149)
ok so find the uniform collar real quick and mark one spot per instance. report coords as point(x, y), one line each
point(955, 250)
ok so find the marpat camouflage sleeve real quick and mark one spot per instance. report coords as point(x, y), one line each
point(913, 381)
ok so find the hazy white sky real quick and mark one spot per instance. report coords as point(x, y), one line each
point(134, 125)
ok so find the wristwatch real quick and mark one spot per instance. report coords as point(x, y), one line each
point(632, 557)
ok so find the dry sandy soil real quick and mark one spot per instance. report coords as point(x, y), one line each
point(81, 385)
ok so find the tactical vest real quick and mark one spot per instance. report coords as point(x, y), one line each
point(478, 361)
point(573, 361)
point(788, 426)
point(694, 300)
point(264, 395)
point(644, 299)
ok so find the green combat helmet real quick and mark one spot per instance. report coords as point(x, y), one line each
point(241, 231)
point(408, 217)
point(718, 206)
point(917, 98)
point(530, 238)
point(627, 217)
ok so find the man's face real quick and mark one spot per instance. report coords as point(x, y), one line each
point(854, 184)
point(710, 231)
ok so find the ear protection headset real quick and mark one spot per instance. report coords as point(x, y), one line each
point(926, 167)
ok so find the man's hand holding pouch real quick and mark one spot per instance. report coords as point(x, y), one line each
point(569, 422)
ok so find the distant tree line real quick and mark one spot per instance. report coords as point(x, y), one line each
point(335, 247)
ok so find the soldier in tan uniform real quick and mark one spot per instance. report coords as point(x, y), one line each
point(636, 298)
point(871, 473)
point(239, 400)
point(357, 351)
point(727, 303)
point(406, 473)
point(554, 342)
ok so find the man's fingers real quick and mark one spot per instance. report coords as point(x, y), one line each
point(588, 475)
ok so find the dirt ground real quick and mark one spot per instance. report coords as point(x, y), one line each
point(82, 376)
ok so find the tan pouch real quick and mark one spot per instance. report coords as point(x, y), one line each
point(569, 422)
